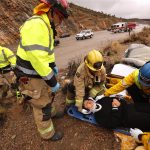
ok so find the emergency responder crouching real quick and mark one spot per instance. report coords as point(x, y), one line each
point(137, 84)
point(36, 69)
point(7, 77)
point(89, 80)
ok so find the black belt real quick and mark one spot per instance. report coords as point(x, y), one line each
point(5, 69)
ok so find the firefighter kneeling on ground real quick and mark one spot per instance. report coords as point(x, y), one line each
point(36, 70)
point(89, 80)
point(7, 77)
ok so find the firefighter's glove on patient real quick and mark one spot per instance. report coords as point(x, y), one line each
point(56, 88)
point(55, 69)
point(135, 133)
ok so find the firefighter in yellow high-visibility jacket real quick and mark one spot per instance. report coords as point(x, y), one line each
point(141, 137)
point(36, 69)
point(137, 84)
point(7, 63)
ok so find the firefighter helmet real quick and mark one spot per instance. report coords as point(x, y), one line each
point(59, 6)
point(144, 74)
point(94, 60)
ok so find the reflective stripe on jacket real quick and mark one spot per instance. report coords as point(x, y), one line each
point(36, 47)
point(84, 79)
point(125, 83)
point(7, 57)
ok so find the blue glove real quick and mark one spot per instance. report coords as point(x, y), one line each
point(56, 88)
point(55, 69)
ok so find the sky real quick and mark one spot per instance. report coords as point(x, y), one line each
point(120, 8)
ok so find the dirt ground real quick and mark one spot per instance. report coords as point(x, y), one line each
point(19, 131)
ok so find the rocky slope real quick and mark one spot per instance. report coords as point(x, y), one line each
point(14, 12)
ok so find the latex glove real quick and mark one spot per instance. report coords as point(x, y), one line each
point(99, 97)
point(55, 69)
point(55, 88)
point(135, 133)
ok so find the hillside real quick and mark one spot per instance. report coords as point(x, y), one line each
point(15, 12)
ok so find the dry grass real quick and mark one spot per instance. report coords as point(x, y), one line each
point(142, 37)
point(112, 54)
point(72, 67)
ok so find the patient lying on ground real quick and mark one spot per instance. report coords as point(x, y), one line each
point(115, 113)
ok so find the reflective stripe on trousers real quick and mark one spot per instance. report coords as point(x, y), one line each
point(46, 130)
point(69, 101)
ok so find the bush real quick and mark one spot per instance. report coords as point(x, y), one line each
point(72, 67)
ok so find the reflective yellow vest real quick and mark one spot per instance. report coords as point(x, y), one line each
point(125, 83)
point(36, 47)
point(7, 57)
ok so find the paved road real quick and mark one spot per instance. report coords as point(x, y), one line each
point(70, 48)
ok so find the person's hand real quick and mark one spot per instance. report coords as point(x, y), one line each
point(11, 73)
point(55, 88)
point(55, 69)
point(135, 133)
point(115, 103)
point(88, 104)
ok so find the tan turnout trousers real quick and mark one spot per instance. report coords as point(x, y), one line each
point(40, 101)
point(5, 81)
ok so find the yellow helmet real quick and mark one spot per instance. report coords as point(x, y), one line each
point(94, 60)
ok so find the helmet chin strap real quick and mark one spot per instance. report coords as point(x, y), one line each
point(54, 29)
point(52, 23)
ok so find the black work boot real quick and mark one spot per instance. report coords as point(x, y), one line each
point(57, 136)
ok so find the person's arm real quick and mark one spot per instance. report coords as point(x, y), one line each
point(10, 57)
point(103, 74)
point(80, 90)
point(122, 85)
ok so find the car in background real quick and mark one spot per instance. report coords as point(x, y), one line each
point(84, 34)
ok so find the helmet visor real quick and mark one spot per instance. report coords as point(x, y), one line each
point(97, 65)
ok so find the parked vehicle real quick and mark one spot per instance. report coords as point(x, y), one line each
point(84, 34)
point(123, 27)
